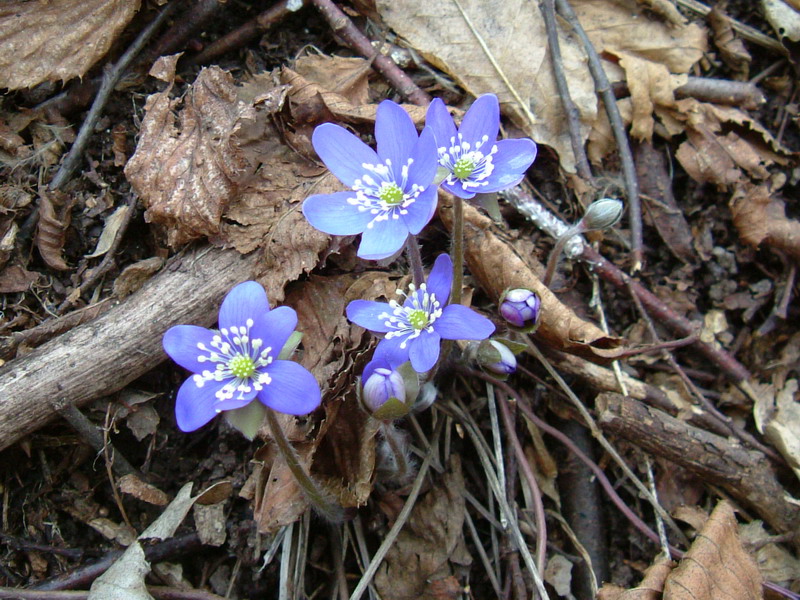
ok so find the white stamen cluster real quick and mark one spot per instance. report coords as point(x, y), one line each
point(412, 320)
point(379, 183)
point(460, 150)
point(234, 352)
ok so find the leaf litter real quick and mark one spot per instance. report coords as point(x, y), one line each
point(228, 158)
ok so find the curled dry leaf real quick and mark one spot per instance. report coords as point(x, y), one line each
point(496, 266)
point(51, 230)
point(760, 218)
point(731, 49)
point(131, 484)
point(57, 40)
point(134, 276)
point(110, 229)
point(187, 175)
point(431, 539)
point(716, 566)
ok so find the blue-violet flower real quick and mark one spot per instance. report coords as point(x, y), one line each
point(414, 329)
point(392, 194)
point(239, 362)
point(520, 307)
point(476, 163)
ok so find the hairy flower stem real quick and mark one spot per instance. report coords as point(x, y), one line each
point(555, 254)
point(397, 447)
point(318, 498)
point(457, 253)
point(415, 258)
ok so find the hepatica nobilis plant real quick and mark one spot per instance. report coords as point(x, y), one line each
point(239, 362)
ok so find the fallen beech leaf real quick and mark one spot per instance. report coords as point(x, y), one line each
point(716, 566)
point(110, 229)
point(15, 278)
point(187, 175)
point(347, 77)
point(134, 276)
point(497, 267)
point(57, 40)
point(51, 230)
point(761, 218)
point(430, 538)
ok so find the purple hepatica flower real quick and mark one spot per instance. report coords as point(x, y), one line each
point(238, 363)
point(392, 193)
point(475, 161)
point(415, 328)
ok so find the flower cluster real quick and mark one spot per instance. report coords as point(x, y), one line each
point(392, 192)
point(240, 362)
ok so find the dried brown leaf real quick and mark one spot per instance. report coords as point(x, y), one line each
point(716, 566)
point(497, 267)
point(761, 218)
point(134, 276)
point(651, 586)
point(346, 77)
point(210, 521)
point(431, 537)
point(731, 49)
point(51, 230)
point(110, 229)
point(187, 174)
point(57, 40)
point(15, 278)
point(146, 492)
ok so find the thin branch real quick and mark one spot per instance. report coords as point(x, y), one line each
point(603, 88)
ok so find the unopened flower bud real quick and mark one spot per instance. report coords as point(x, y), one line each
point(381, 387)
point(497, 358)
point(602, 214)
point(520, 307)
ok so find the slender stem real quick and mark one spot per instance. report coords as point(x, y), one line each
point(397, 447)
point(415, 258)
point(555, 253)
point(458, 250)
point(320, 499)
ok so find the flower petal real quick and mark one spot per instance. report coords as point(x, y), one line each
point(247, 300)
point(196, 406)
point(342, 152)
point(421, 211)
point(512, 159)
point(391, 349)
point(439, 119)
point(423, 169)
point(461, 323)
point(424, 351)
point(395, 133)
point(367, 314)
point(457, 189)
point(180, 343)
point(333, 214)
point(293, 389)
point(274, 328)
point(383, 239)
point(482, 119)
point(440, 279)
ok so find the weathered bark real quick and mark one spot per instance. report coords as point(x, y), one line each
point(104, 355)
point(745, 474)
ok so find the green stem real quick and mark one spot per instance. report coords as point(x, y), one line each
point(415, 258)
point(552, 261)
point(318, 498)
point(458, 250)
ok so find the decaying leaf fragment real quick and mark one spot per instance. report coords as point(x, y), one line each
point(761, 218)
point(57, 40)
point(187, 174)
point(777, 416)
point(716, 566)
point(51, 230)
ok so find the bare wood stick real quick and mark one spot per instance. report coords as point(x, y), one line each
point(548, 10)
point(104, 355)
point(744, 474)
point(344, 28)
point(603, 88)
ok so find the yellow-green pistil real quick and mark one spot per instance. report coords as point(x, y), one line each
point(418, 319)
point(464, 167)
point(242, 366)
point(391, 194)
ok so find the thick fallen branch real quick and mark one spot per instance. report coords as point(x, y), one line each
point(745, 474)
point(104, 355)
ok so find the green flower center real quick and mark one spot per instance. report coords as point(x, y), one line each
point(418, 319)
point(464, 167)
point(242, 366)
point(391, 194)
